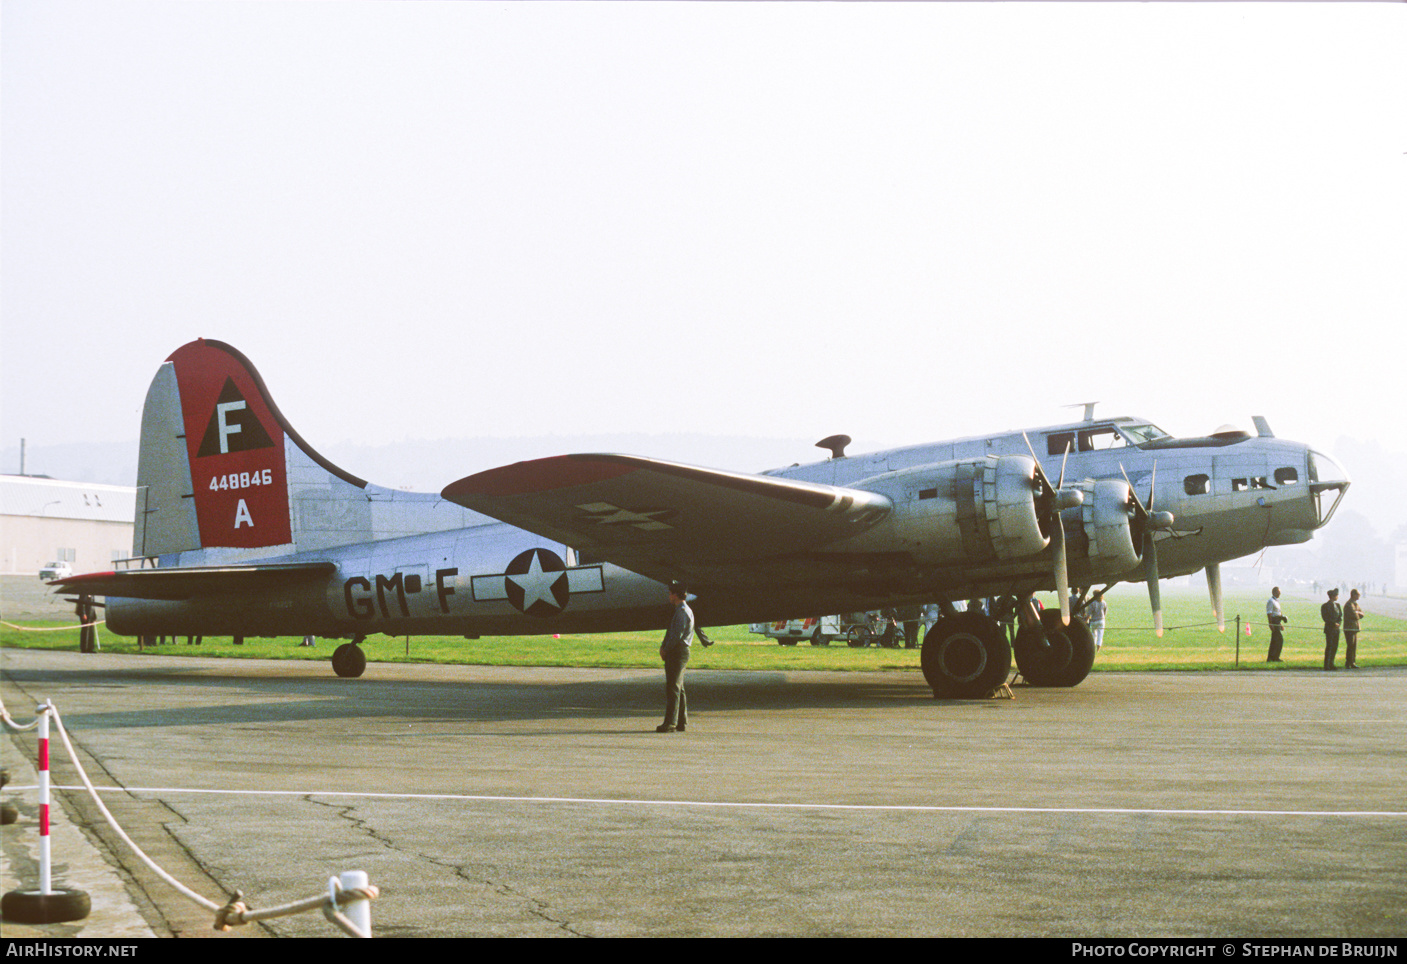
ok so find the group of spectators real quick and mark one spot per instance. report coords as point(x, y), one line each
point(1346, 618)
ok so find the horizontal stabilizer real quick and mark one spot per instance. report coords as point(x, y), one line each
point(645, 514)
point(188, 583)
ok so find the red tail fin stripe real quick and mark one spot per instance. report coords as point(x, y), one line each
point(235, 449)
point(258, 381)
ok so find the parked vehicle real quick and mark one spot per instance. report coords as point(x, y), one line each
point(55, 570)
point(817, 630)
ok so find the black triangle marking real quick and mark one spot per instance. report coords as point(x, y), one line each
point(242, 431)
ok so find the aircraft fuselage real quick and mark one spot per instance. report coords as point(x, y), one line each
point(1229, 496)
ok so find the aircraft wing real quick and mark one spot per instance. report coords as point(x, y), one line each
point(193, 581)
point(657, 517)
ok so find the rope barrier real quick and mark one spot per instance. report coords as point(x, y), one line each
point(350, 893)
point(88, 641)
point(1371, 634)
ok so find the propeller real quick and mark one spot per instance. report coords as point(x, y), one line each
point(1057, 499)
point(1150, 522)
point(1214, 587)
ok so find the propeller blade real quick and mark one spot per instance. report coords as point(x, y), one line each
point(1150, 573)
point(1060, 499)
point(1218, 603)
point(1151, 576)
point(1151, 523)
point(1133, 493)
point(1063, 460)
point(1040, 471)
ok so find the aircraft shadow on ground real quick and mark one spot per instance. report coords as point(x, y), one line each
point(333, 699)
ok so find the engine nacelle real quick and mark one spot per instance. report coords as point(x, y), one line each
point(967, 511)
point(1104, 541)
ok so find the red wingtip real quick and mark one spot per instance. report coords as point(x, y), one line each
point(81, 578)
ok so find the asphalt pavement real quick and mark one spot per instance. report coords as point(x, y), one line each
point(489, 801)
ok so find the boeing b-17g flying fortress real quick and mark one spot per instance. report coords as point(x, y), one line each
point(243, 529)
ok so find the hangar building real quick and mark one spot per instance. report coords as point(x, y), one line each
point(45, 520)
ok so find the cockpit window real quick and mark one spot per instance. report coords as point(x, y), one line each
point(1138, 434)
point(1197, 485)
point(1086, 440)
point(1286, 476)
point(1102, 437)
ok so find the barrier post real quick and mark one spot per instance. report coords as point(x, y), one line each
point(46, 879)
point(358, 912)
point(345, 902)
point(45, 905)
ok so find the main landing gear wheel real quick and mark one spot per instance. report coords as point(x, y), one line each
point(348, 660)
point(965, 656)
point(1055, 654)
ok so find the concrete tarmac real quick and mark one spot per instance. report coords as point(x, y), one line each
point(539, 802)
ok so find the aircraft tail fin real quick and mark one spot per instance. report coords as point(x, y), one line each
point(222, 474)
point(218, 462)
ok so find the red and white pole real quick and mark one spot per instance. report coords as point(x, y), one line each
point(45, 905)
point(46, 880)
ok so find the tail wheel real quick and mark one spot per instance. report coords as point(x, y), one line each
point(1055, 654)
point(965, 656)
point(348, 660)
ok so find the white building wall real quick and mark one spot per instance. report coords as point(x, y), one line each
point(43, 520)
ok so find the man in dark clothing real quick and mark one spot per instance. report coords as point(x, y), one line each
point(1352, 620)
point(1332, 614)
point(674, 650)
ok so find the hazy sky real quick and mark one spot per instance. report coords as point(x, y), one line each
point(903, 222)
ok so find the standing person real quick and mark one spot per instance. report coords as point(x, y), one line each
point(674, 650)
point(1332, 614)
point(1006, 616)
point(909, 616)
point(1277, 619)
point(1096, 610)
point(889, 635)
point(1352, 614)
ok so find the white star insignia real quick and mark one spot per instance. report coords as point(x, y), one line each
point(536, 584)
point(609, 515)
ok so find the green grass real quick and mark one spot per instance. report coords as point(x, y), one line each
point(1190, 642)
